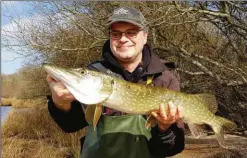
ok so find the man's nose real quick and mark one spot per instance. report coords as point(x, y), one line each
point(123, 37)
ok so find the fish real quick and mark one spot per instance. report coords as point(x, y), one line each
point(97, 89)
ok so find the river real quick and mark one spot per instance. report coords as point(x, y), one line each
point(4, 112)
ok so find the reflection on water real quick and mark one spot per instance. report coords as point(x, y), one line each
point(4, 112)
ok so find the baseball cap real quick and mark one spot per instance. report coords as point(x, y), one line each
point(127, 14)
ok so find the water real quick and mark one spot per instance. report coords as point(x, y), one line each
point(4, 112)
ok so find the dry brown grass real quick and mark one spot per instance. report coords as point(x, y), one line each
point(198, 150)
point(23, 103)
point(27, 103)
point(23, 148)
point(6, 102)
point(33, 133)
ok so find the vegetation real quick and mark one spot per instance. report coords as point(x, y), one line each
point(33, 133)
point(23, 103)
point(6, 102)
point(206, 39)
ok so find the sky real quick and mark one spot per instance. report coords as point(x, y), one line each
point(25, 13)
point(10, 61)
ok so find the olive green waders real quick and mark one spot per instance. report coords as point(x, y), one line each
point(117, 137)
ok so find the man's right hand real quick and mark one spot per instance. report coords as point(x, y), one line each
point(60, 94)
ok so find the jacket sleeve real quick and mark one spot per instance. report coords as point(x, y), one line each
point(166, 144)
point(70, 121)
point(171, 142)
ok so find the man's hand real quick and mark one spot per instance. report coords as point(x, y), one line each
point(60, 94)
point(165, 120)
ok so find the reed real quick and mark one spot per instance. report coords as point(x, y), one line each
point(33, 133)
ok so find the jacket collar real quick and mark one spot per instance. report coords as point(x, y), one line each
point(155, 65)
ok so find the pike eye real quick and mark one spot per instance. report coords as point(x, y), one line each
point(83, 72)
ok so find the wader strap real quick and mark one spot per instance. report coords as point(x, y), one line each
point(99, 67)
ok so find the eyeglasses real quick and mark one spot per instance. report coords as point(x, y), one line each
point(128, 33)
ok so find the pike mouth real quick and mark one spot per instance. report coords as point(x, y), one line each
point(86, 88)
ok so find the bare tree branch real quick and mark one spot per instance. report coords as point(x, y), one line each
point(191, 73)
point(192, 9)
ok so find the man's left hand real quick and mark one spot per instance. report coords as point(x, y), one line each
point(166, 119)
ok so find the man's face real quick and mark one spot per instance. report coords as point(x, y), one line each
point(128, 46)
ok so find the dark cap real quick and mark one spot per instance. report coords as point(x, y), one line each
point(126, 14)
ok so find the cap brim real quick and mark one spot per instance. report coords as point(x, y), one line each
point(124, 20)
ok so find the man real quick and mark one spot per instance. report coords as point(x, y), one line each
point(126, 55)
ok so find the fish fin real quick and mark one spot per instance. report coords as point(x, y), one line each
point(210, 101)
point(89, 113)
point(97, 114)
point(220, 138)
point(93, 113)
point(220, 124)
point(196, 130)
point(226, 124)
point(150, 122)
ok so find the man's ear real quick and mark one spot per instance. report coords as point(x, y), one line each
point(145, 34)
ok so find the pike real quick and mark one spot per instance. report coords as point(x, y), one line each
point(96, 88)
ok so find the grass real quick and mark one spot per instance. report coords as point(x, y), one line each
point(23, 148)
point(23, 103)
point(6, 101)
point(33, 133)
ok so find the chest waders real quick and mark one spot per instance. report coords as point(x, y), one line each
point(117, 136)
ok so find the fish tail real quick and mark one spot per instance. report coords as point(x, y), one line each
point(226, 124)
point(220, 124)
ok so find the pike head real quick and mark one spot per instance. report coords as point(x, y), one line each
point(87, 86)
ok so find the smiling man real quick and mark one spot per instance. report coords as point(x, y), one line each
point(128, 56)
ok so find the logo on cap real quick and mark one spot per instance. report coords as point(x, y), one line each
point(121, 11)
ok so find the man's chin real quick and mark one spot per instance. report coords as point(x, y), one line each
point(125, 55)
point(126, 59)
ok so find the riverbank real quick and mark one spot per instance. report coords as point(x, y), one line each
point(6, 101)
point(207, 147)
point(34, 134)
point(23, 103)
